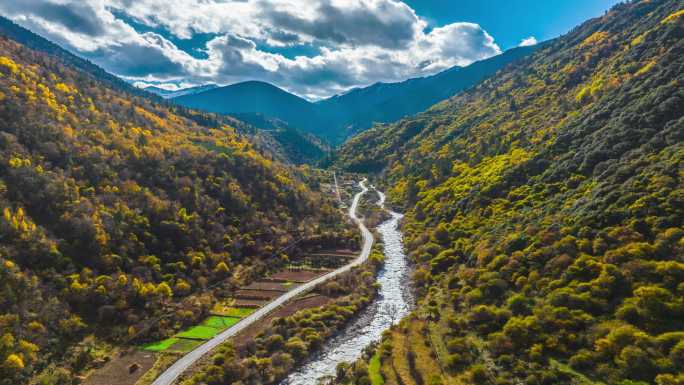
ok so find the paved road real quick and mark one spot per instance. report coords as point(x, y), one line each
point(180, 366)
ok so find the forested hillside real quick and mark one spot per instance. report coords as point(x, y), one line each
point(117, 210)
point(286, 142)
point(545, 214)
point(357, 110)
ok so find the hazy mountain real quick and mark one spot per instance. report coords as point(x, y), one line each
point(337, 118)
point(168, 94)
point(358, 109)
point(254, 97)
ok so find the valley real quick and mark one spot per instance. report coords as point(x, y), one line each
point(182, 364)
point(494, 217)
point(394, 301)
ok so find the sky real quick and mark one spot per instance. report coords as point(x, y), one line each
point(313, 48)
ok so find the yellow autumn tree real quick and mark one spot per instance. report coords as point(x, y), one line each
point(221, 269)
point(14, 362)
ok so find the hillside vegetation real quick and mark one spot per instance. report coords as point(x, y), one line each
point(116, 211)
point(544, 212)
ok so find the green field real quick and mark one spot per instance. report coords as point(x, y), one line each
point(198, 333)
point(374, 370)
point(220, 323)
point(239, 312)
point(184, 345)
point(190, 338)
point(225, 310)
point(161, 345)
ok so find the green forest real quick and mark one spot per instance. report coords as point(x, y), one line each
point(545, 213)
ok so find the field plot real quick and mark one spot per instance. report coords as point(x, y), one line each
point(184, 345)
point(161, 345)
point(246, 301)
point(190, 338)
point(118, 370)
point(330, 259)
point(199, 332)
point(291, 307)
point(257, 294)
point(228, 310)
point(271, 286)
point(250, 303)
point(299, 276)
point(221, 323)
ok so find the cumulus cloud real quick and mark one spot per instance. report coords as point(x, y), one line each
point(358, 42)
point(528, 42)
point(386, 24)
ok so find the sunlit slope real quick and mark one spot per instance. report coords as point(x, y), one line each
point(114, 207)
point(545, 209)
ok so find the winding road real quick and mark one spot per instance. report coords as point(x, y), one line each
point(180, 366)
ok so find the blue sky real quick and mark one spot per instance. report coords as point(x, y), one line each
point(314, 48)
point(510, 21)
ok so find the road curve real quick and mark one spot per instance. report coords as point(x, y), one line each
point(180, 366)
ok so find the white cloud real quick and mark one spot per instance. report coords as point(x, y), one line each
point(528, 42)
point(358, 42)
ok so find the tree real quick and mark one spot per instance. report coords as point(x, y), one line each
point(164, 290)
point(221, 269)
point(14, 363)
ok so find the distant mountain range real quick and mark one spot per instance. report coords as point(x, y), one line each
point(255, 97)
point(341, 116)
point(334, 119)
point(168, 94)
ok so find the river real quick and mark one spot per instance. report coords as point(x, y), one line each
point(393, 302)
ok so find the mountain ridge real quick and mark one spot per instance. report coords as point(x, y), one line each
point(34, 41)
point(168, 94)
point(340, 116)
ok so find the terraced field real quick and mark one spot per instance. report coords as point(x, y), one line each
point(192, 337)
point(226, 314)
point(225, 310)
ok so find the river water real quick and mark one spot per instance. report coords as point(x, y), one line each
point(393, 302)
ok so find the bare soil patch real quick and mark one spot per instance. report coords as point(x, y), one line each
point(300, 276)
point(118, 370)
point(272, 286)
point(310, 301)
point(251, 303)
point(257, 294)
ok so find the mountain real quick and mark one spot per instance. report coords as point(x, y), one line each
point(360, 108)
point(121, 216)
point(168, 94)
point(31, 40)
point(337, 118)
point(290, 144)
point(255, 97)
point(544, 212)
